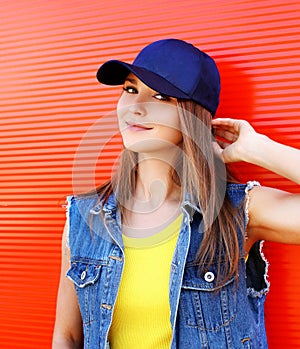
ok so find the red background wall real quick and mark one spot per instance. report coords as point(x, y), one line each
point(50, 51)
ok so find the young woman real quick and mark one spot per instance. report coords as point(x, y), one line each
point(167, 254)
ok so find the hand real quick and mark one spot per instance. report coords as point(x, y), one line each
point(235, 139)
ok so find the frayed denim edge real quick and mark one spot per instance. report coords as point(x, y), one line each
point(250, 185)
point(251, 291)
point(67, 208)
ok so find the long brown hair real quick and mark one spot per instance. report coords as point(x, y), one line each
point(205, 177)
point(199, 174)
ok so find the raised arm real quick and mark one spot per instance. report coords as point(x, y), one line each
point(68, 325)
point(242, 143)
point(274, 214)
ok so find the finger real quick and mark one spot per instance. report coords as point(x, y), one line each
point(230, 124)
point(225, 127)
point(226, 121)
point(223, 145)
point(227, 135)
point(220, 150)
point(217, 150)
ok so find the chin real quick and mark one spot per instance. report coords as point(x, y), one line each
point(152, 147)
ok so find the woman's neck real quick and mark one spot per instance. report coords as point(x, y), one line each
point(154, 181)
point(156, 201)
point(156, 198)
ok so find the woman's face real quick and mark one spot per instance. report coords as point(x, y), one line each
point(148, 120)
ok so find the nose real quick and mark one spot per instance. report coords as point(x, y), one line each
point(138, 108)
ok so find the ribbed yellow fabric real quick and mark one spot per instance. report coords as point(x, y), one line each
point(141, 317)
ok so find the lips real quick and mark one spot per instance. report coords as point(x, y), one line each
point(138, 127)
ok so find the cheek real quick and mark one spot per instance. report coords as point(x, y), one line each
point(172, 135)
point(171, 119)
point(164, 114)
point(178, 137)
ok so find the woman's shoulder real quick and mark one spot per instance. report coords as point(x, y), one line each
point(239, 192)
point(93, 202)
point(82, 204)
point(82, 197)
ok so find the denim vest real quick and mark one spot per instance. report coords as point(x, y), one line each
point(200, 317)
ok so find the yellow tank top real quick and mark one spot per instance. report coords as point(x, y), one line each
point(141, 317)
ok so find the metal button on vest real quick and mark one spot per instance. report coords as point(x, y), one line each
point(209, 276)
point(83, 275)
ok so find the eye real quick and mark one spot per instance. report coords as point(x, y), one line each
point(130, 89)
point(162, 97)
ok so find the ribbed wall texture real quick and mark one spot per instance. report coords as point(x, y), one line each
point(49, 54)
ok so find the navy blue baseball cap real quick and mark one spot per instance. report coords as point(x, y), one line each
point(172, 67)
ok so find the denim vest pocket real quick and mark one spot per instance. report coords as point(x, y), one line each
point(85, 275)
point(204, 304)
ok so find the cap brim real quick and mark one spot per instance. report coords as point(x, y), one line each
point(115, 72)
